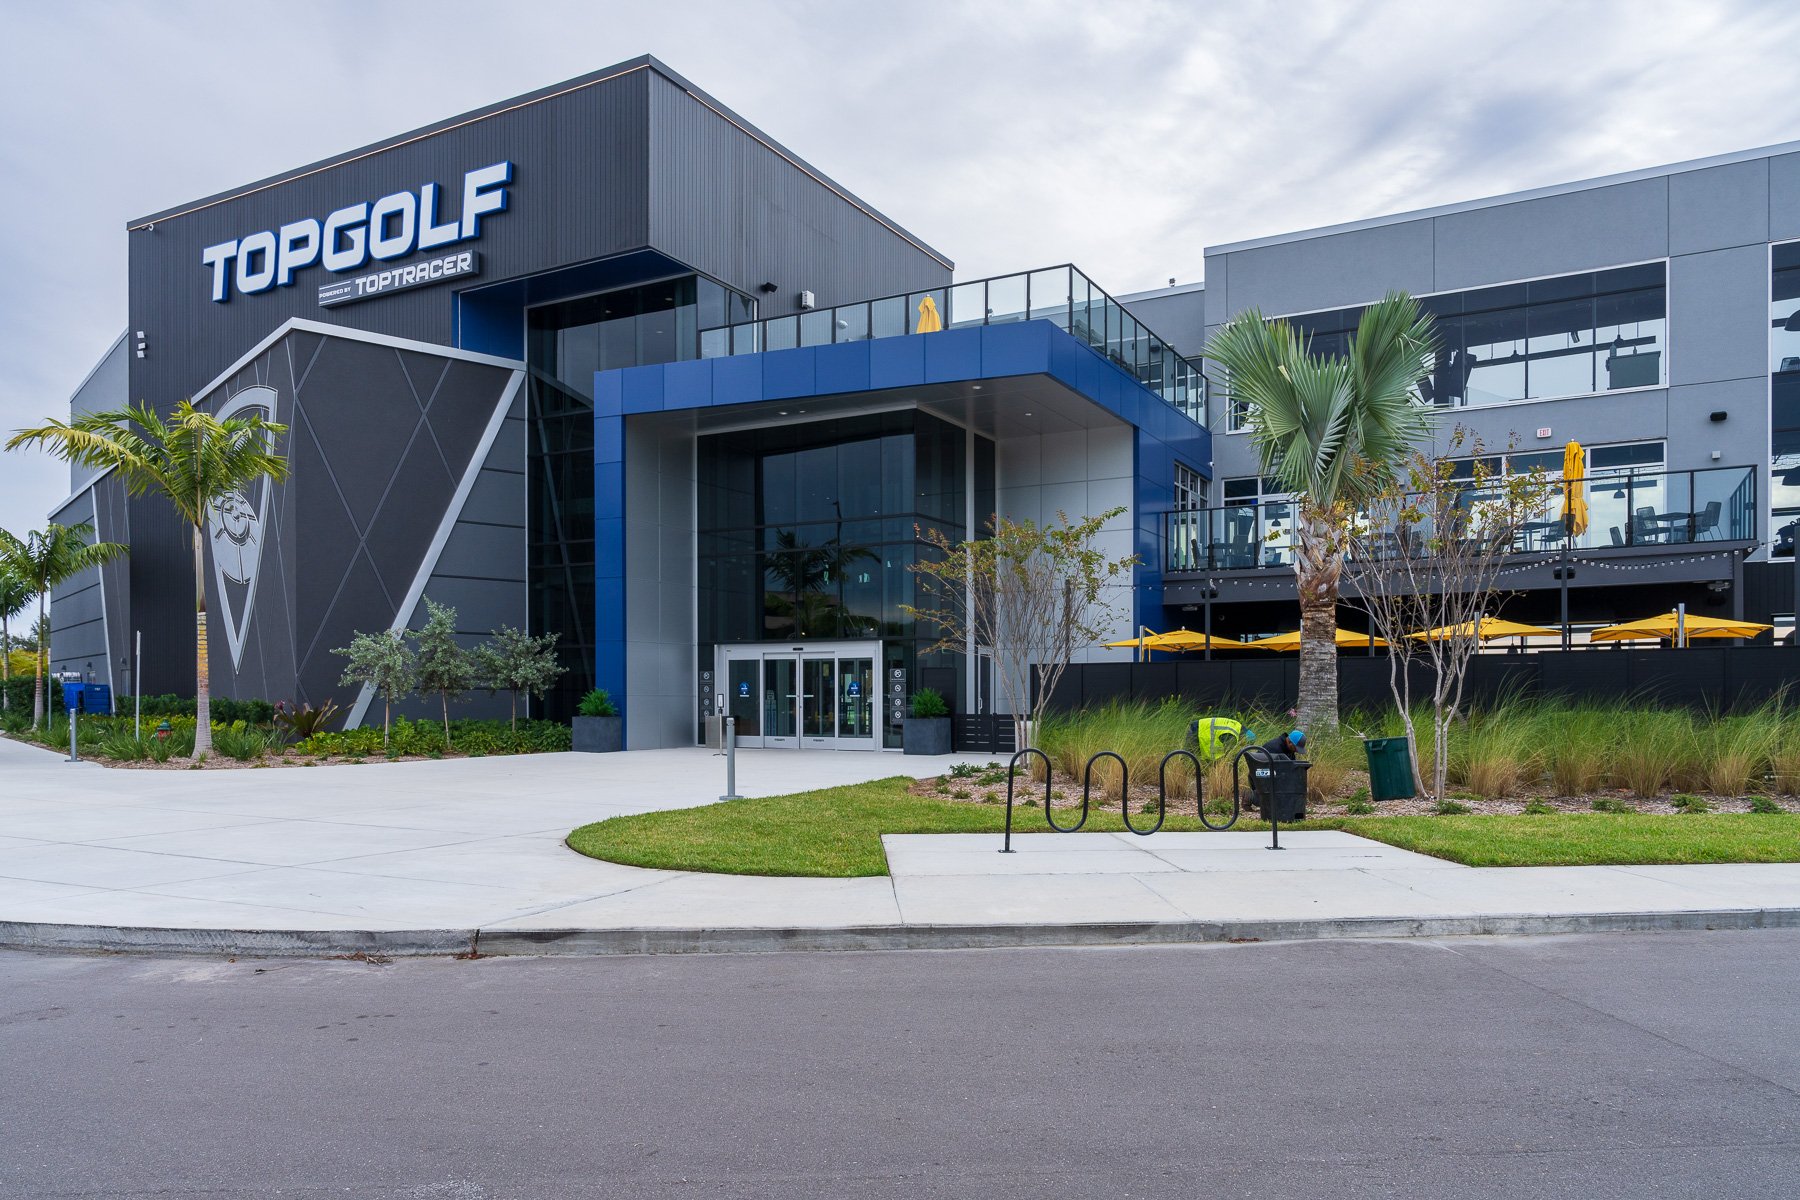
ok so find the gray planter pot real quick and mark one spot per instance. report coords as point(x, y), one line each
point(599, 735)
point(926, 735)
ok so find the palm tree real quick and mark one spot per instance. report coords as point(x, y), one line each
point(195, 461)
point(1331, 430)
point(43, 560)
point(15, 595)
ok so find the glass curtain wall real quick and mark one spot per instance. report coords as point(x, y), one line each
point(566, 343)
point(1784, 399)
point(807, 533)
point(1598, 331)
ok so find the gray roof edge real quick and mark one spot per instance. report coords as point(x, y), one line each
point(1180, 289)
point(629, 66)
point(1555, 189)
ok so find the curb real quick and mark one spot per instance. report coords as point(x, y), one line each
point(25, 935)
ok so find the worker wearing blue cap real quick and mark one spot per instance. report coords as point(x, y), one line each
point(1289, 745)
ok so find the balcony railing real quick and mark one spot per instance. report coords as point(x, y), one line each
point(1061, 295)
point(1670, 508)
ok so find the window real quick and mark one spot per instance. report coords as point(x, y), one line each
point(1784, 399)
point(1574, 335)
point(1190, 489)
point(1255, 525)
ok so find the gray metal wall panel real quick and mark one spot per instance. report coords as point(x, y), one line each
point(1347, 268)
point(739, 210)
point(1180, 318)
point(660, 655)
point(107, 386)
point(1784, 197)
point(1578, 231)
point(1743, 437)
point(1719, 315)
point(1719, 207)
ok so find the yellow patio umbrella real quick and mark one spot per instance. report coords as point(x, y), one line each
point(1491, 628)
point(1187, 639)
point(929, 319)
point(1671, 624)
point(1291, 641)
point(1575, 506)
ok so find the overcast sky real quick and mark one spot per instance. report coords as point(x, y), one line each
point(1123, 137)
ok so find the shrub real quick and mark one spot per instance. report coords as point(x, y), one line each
point(1537, 808)
point(239, 741)
point(1450, 808)
point(1691, 804)
point(1609, 804)
point(296, 725)
point(1762, 804)
point(928, 704)
point(1359, 807)
point(597, 703)
point(122, 747)
point(1784, 763)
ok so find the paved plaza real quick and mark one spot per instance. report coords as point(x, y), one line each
point(435, 856)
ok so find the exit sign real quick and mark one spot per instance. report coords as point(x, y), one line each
point(1543, 431)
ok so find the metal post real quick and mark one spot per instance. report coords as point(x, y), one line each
point(137, 692)
point(731, 760)
point(74, 755)
point(1562, 574)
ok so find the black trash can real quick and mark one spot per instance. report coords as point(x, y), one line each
point(1278, 787)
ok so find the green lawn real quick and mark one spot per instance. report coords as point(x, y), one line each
point(1592, 839)
point(837, 832)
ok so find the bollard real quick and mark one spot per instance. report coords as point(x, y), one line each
point(731, 760)
point(74, 754)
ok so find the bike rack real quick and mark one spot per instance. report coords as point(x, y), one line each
point(1162, 785)
point(1012, 769)
point(1268, 758)
point(1087, 785)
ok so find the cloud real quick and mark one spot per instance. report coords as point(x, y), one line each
point(1124, 137)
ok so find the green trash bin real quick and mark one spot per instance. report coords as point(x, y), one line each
point(1390, 769)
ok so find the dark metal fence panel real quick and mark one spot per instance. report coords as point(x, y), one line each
point(983, 735)
point(1730, 678)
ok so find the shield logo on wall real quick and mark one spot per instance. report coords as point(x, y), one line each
point(235, 528)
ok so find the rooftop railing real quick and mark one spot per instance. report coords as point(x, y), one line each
point(1668, 508)
point(1061, 295)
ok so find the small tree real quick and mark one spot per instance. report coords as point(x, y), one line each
point(42, 559)
point(513, 660)
point(384, 662)
point(15, 597)
point(444, 666)
point(1034, 594)
point(1427, 552)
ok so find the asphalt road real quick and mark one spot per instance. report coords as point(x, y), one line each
point(1633, 1066)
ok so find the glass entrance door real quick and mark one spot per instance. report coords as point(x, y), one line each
point(779, 697)
point(819, 697)
point(856, 703)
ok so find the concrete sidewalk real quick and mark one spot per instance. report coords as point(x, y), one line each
point(452, 856)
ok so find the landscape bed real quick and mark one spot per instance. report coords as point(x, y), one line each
point(836, 832)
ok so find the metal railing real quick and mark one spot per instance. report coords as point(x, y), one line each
point(1061, 295)
point(1666, 508)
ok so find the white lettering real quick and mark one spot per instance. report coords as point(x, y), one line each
point(299, 248)
point(431, 234)
point(483, 192)
point(219, 259)
point(346, 223)
point(256, 263)
point(401, 206)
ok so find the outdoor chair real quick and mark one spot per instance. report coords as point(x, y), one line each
point(1708, 518)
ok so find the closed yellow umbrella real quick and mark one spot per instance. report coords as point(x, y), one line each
point(929, 319)
point(1574, 488)
point(1491, 628)
point(1291, 641)
point(1668, 625)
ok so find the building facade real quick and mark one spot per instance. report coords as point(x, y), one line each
point(607, 362)
point(1650, 316)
